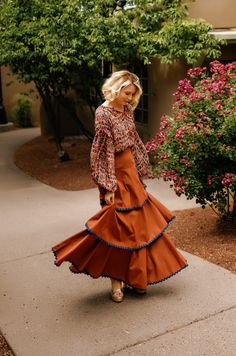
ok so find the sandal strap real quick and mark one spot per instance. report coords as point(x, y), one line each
point(117, 291)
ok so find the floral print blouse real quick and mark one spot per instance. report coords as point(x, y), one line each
point(115, 132)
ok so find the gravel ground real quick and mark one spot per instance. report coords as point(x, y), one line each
point(5, 349)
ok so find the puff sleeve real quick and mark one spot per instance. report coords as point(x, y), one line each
point(102, 157)
point(140, 155)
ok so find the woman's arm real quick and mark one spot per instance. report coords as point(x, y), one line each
point(102, 157)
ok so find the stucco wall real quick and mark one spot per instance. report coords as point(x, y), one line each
point(220, 13)
point(9, 92)
point(67, 124)
point(163, 80)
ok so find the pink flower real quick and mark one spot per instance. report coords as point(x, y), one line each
point(207, 132)
point(200, 126)
point(217, 86)
point(160, 137)
point(190, 126)
point(184, 87)
point(178, 191)
point(179, 133)
point(151, 146)
point(195, 96)
point(217, 104)
point(164, 122)
point(230, 66)
point(164, 155)
point(217, 67)
point(193, 146)
point(180, 103)
point(196, 72)
point(227, 180)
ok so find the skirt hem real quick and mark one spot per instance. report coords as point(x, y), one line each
point(75, 270)
point(91, 232)
point(135, 207)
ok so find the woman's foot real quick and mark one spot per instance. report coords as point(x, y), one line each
point(117, 295)
point(140, 290)
point(136, 290)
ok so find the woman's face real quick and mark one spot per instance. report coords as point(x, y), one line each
point(126, 95)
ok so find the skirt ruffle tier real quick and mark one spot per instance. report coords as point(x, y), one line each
point(126, 240)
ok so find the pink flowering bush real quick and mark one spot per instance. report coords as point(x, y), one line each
point(195, 148)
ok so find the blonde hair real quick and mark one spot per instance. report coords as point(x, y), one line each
point(118, 80)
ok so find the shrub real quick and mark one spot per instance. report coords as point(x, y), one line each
point(195, 148)
point(22, 112)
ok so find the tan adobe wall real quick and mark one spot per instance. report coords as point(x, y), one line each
point(68, 125)
point(163, 79)
point(219, 13)
point(9, 92)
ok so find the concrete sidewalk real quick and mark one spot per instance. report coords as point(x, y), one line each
point(45, 310)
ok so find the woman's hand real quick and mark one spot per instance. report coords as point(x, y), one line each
point(109, 198)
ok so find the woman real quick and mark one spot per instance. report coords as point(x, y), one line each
point(126, 239)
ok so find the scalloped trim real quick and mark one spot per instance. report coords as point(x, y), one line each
point(122, 280)
point(54, 252)
point(170, 276)
point(135, 207)
point(130, 248)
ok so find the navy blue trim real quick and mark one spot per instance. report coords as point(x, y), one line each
point(135, 207)
point(77, 271)
point(130, 248)
point(171, 275)
point(54, 252)
point(55, 255)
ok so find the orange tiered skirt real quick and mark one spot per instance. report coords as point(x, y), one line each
point(126, 240)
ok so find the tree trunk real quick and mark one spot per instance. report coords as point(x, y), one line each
point(52, 119)
point(67, 103)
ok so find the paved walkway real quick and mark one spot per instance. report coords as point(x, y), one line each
point(47, 311)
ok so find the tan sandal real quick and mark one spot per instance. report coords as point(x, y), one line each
point(136, 290)
point(117, 295)
point(140, 291)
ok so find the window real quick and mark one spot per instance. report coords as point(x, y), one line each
point(106, 69)
point(141, 112)
point(95, 97)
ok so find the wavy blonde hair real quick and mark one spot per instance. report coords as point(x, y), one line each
point(118, 80)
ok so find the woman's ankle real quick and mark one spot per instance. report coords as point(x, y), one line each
point(115, 284)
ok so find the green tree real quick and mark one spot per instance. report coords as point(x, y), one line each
point(60, 44)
